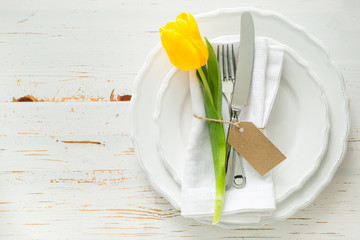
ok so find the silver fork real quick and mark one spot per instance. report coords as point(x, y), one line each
point(227, 65)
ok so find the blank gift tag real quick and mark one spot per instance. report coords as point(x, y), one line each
point(255, 147)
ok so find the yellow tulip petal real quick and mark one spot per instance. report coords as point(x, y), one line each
point(183, 43)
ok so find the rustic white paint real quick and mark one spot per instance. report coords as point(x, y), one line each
point(54, 187)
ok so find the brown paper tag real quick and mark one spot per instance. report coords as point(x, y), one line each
point(255, 147)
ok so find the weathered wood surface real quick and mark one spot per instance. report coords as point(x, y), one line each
point(67, 165)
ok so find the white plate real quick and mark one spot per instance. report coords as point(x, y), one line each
point(298, 124)
point(268, 24)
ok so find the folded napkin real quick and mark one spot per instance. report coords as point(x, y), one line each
point(257, 199)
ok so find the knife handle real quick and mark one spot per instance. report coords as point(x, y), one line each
point(239, 172)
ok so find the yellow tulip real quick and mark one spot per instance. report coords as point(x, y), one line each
point(183, 43)
point(187, 51)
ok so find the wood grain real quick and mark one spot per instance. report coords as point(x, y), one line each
point(67, 166)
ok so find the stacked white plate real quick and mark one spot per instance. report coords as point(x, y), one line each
point(309, 121)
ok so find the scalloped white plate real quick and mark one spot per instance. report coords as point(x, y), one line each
point(298, 123)
point(268, 24)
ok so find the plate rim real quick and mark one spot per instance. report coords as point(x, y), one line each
point(295, 26)
point(321, 97)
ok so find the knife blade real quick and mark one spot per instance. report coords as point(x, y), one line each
point(240, 94)
point(245, 63)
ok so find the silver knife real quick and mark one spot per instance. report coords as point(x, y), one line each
point(241, 92)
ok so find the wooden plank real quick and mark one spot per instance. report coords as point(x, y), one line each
point(54, 54)
point(52, 179)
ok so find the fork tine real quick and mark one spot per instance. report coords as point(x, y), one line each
point(225, 63)
point(230, 60)
point(220, 61)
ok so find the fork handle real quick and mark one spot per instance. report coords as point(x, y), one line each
point(230, 168)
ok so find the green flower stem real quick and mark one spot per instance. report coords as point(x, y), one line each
point(210, 81)
point(218, 146)
point(204, 81)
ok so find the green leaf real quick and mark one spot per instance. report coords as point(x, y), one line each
point(214, 77)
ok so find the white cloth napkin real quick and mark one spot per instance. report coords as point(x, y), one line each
point(257, 199)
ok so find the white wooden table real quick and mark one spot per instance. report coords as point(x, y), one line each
point(67, 164)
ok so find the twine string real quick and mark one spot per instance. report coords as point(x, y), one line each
point(216, 120)
point(220, 121)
